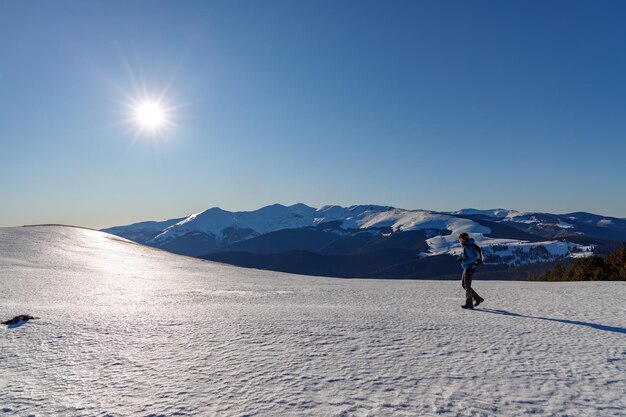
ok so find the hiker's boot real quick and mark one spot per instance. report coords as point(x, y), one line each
point(469, 304)
point(478, 301)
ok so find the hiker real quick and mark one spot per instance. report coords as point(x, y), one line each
point(470, 258)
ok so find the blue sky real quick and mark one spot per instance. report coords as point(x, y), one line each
point(417, 104)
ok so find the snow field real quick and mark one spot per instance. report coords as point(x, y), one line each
point(131, 330)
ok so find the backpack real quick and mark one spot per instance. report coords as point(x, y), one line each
point(479, 254)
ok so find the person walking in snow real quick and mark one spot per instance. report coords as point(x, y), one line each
point(470, 258)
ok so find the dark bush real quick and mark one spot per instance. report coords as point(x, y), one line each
point(592, 268)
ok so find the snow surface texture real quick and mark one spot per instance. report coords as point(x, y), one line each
point(126, 329)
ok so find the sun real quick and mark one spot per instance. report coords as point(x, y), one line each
point(148, 108)
point(150, 115)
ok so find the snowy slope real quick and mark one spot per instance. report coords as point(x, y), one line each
point(510, 251)
point(498, 213)
point(216, 222)
point(143, 231)
point(509, 238)
point(405, 220)
point(126, 329)
point(496, 251)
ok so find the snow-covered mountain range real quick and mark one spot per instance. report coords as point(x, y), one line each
point(509, 238)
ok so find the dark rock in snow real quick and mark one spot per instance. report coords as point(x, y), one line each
point(17, 319)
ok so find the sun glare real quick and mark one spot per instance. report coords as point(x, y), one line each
point(150, 115)
point(147, 109)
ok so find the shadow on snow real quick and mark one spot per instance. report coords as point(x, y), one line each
point(579, 323)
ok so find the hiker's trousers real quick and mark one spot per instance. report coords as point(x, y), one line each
point(466, 283)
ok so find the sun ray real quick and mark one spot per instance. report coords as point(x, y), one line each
point(146, 103)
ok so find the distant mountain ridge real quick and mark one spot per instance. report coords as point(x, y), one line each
point(396, 242)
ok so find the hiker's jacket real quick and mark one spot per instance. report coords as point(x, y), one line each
point(469, 255)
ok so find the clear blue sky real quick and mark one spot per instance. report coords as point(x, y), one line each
point(417, 104)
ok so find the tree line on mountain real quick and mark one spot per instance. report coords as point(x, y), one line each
point(519, 256)
point(593, 268)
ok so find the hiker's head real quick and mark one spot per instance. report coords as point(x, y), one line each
point(463, 238)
